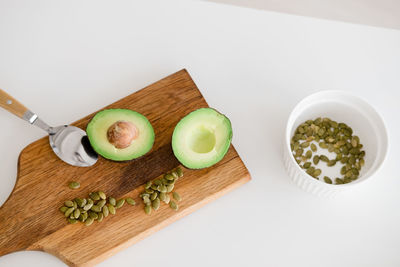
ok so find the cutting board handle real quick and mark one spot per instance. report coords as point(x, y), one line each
point(8, 235)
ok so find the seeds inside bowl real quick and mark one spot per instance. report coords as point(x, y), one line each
point(335, 137)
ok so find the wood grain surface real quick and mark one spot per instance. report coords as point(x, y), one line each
point(30, 220)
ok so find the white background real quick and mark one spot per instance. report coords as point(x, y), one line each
point(66, 59)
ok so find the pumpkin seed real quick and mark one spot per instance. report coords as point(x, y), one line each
point(72, 221)
point(167, 199)
point(148, 185)
point(173, 205)
point(331, 162)
point(89, 221)
point(147, 209)
point(309, 154)
point(153, 196)
point(120, 203)
point(305, 165)
point(313, 147)
point(327, 180)
point(88, 206)
point(105, 211)
point(338, 181)
point(101, 203)
point(179, 171)
point(68, 212)
point(74, 185)
point(149, 191)
point(324, 158)
point(94, 196)
point(112, 201)
point(163, 189)
point(317, 172)
point(169, 188)
point(77, 212)
point(100, 217)
point(177, 197)
point(63, 209)
point(316, 159)
point(69, 203)
point(130, 201)
point(95, 208)
point(111, 209)
point(169, 177)
point(93, 215)
point(102, 195)
point(156, 204)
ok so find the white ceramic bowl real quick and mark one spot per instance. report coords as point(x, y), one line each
point(341, 107)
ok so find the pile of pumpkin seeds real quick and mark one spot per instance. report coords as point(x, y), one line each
point(94, 208)
point(333, 136)
point(159, 190)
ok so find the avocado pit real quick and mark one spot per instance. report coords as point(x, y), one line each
point(121, 134)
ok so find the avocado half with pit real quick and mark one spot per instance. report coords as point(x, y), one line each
point(120, 134)
point(202, 138)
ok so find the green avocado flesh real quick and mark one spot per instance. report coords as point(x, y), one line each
point(202, 138)
point(98, 127)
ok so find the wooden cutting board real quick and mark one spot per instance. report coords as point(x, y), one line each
point(30, 220)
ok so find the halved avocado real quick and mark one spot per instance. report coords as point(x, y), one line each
point(202, 138)
point(120, 134)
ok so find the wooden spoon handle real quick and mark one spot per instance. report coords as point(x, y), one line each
point(12, 105)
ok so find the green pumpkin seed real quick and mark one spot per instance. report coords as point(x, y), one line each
point(305, 144)
point(324, 158)
point(93, 215)
point(77, 212)
point(112, 201)
point(88, 206)
point(100, 217)
point(148, 185)
point(72, 221)
point(68, 212)
point(173, 205)
point(177, 197)
point(338, 181)
point(157, 182)
point(111, 209)
point(331, 163)
point(149, 191)
point(317, 172)
point(163, 189)
point(105, 210)
point(175, 174)
point(74, 185)
point(313, 147)
point(147, 209)
point(169, 177)
point(309, 154)
point(316, 159)
point(156, 204)
point(101, 203)
point(89, 221)
point(120, 203)
point(162, 196)
point(94, 195)
point(169, 188)
point(305, 165)
point(362, 162)
point(154, 196)
point(63, 209)
point(71, 216)
point(179, 171)
point(95, 208)
point(327, 180)
point(69, 203)
point(167, 199)
point(130, 201)
point(102, 195)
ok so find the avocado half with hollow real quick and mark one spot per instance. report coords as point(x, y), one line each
point(120, 134)
point(202, 138)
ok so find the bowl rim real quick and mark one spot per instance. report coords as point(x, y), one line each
point(345, 93)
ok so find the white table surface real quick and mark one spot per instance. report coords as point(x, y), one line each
point(66, 59)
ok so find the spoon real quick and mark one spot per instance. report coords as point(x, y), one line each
point(70, 143)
